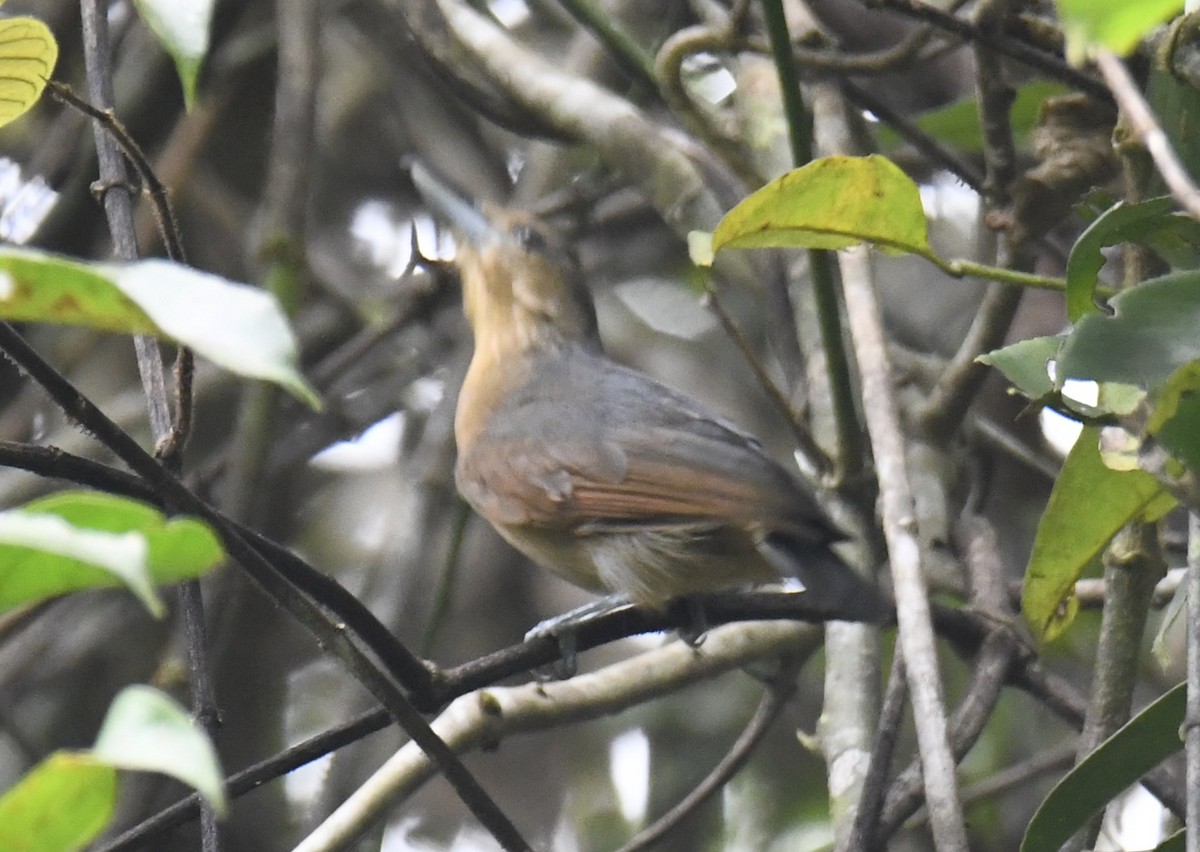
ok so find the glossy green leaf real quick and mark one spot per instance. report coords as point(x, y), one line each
point(1151, 334)
point(1115, 24)
point(61, 805)
point(182, 28)
point(82, 540)
point(28, 54)
point(1025, 364)
point(1120, 223)
point(831, 203)
point(237, 327)
point(147, 731)
point(1088, 506)
point(1145, 741)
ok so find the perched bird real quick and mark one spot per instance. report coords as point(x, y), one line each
point(599, 473)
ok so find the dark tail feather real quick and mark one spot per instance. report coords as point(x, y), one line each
point(836, 590)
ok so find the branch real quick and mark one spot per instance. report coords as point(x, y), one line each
point(780, 689)
point(1148, 131)
point(487, 717)
point(1053, 66)
point(850, 452)
point(897, 509)
point(1132, 566)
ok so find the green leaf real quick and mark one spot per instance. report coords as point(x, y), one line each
point(237, 327)
point(1115, 24)
point(1025, 364)
point(182, 28)
point(42, 556)
point(1150, 335)
point(957, 124)
point(1120, 223)
point(82, 540)
point(1145, 741)
point(145, 730)
point(61, 805)
point(1175, 101)
point(28, 53)
point(831, 203)
point(1088, 506)
point(1175, 420)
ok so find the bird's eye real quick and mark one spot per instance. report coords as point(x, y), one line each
point(531, 238)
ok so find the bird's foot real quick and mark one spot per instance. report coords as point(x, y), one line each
point(564, 629)
point(695, 623)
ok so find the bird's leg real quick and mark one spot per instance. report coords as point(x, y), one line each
point(695, 623)
point(564, 629)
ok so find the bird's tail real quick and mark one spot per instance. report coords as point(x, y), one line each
point(831, 587)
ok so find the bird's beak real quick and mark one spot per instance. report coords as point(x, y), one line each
point(461, 214)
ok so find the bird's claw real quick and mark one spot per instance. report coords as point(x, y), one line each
point(564, 629)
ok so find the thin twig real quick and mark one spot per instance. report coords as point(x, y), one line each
point(117, 197)
point(933, 150)
point(668, 72)
point(1015, 777)
point(636, 62)
point(976, 540)
point(850, 452)
point(945, 410)
point(170, 432)
point(170, 444)
point(963, 377)
point(779, 690)
point(1053, 66)
point(282, 239)
point(991, 432)
point(1148, 131)
point(1091, 592)
point(251, 778)
point(814, 458)
point(870, 805)
point(1132, 566)
point(160, 199)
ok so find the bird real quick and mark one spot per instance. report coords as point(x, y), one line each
point(596, 471)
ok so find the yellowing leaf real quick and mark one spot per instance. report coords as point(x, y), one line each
point(28, 53)
point(59, 806)
point(1116, 24)
point(831, 203)
point(240, 328)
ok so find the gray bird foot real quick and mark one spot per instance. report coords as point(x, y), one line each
point(696, 623)
point(564, 629)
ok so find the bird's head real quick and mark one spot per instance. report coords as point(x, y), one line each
point(521, 285)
